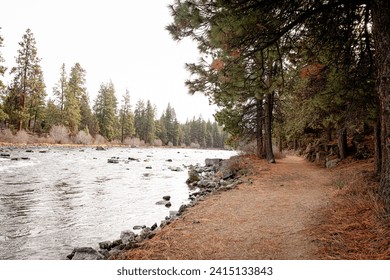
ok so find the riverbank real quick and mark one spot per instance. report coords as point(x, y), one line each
point(290, 210)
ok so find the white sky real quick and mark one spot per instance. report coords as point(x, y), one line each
point(120, 40)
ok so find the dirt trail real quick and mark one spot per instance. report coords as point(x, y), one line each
point(269, 218)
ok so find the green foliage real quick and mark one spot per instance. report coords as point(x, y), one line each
point(105, 109)
point(26, 95)
point(74, 90)
point(126, 118)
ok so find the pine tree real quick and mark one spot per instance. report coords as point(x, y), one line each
point(74, 91)
point(150, 125)
point(28, 84)
point(105, 109)
point(126, 118)
point(59, 90)
point(140, 119)
point(3, 115)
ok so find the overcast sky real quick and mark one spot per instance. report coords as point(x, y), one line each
point(123, 41)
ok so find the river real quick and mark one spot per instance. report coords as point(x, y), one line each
point(61, 198)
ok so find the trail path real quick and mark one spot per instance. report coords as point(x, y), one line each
point(270, 218)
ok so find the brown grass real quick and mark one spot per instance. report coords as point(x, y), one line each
point(355, 226)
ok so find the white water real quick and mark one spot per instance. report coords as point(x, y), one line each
point(66, 198)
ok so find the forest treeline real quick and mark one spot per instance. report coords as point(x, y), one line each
point(68, 117)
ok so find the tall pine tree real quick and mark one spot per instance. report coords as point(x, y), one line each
point(28, 87)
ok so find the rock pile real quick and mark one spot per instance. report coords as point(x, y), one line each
point(216, 175)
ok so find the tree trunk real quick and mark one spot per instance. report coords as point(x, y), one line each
point(259, 128)
point(381, 31)
point(378, 151)
point(329, 132)
point(268, 127)
point(342, 143)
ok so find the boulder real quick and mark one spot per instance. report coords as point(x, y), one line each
point(85, 253)
point(193, 176)
point(332, 163)
point(133, 159)
point(153, 227)
point(100, 148)
point(113, 160)
point(182, 209)
point(212, 161)
point(176, 169)
point(127, 236)
point(105, 245)
point(225, 171)
point(138, 227)
point(167, 197)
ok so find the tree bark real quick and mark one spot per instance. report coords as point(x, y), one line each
point(381, 32)
point(259, 128)
point(268, 127)
point(378, 150)
point(342, 143)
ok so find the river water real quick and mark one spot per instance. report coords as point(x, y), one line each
point(61, 198)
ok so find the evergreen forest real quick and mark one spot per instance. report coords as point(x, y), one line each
point(304, 74)
point(27, 115)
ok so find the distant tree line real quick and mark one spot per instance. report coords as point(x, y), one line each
point(69, 117)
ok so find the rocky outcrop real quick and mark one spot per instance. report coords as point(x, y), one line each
point(216, 175)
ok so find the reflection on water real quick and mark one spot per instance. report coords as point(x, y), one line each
point(65, 198)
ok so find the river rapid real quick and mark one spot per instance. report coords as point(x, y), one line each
point(56, 199)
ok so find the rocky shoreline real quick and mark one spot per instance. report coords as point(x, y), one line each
point(215, 176)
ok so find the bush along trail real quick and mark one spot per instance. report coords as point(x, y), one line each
point(216, 175)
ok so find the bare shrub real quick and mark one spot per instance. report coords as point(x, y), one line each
point(157, 143)
point(116, 142)
point(99, 140)
point(195, 146)
point(45, 140)
point(21, 137)
point(83, 138)
point(6, 135)
point(60, 134)
point(134, 142)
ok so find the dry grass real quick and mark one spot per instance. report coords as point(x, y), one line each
point(355, 226)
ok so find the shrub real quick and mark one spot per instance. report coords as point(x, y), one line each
point(22, 137)
point(6, 135)
point(83, 138)
point(195, 146)
point(157, 143)
point(99, 140)
point(60, 134)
